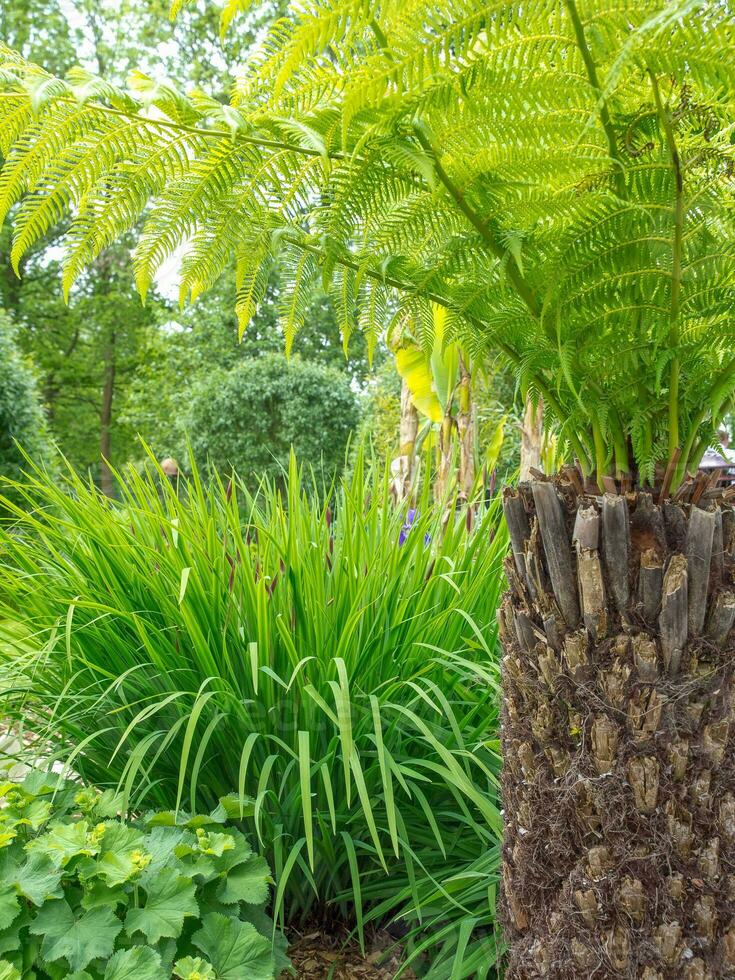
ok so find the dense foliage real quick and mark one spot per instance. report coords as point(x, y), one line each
point(308, 655)
point(86, 354)
point(252, 416)
point(556, 175)
point(89, 895)
point(22, 425)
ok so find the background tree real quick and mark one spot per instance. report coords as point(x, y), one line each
point(187, 351)
point(90, 351)
point(559, 178)
point(86, 353)
point(381, 411)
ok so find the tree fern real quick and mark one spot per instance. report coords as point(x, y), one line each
point(558, 176)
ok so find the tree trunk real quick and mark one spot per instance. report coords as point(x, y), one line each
point(466, 432)
point(444, 457)
point(532, 435)
point(403, 468)
point(618, 724)
point(107, 483)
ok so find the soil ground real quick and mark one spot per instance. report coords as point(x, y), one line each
point(319, 955)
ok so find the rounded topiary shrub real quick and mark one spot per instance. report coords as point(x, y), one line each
point(251, 416)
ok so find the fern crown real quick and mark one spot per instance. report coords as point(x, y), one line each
point(557, 176)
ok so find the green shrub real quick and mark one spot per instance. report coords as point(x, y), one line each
point(287, 650)
point(86, 895)
point(253, 415)
point(21, 416)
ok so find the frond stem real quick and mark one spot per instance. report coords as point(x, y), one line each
point(716, 400)
point(665, 118)
point(600, 455)
point(514, 273)
point(196, 130)
point(620, 444)
point(594, 81)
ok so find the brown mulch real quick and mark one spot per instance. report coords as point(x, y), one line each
point(320, 955)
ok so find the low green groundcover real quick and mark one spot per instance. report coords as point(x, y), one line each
point(85, 895)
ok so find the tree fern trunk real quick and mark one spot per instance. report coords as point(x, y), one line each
point(444, 456)
point(618, 725)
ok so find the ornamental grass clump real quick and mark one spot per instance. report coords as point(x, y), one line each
point(338, 677)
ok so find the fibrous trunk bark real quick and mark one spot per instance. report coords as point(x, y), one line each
point(532, 436)
point(618, 737)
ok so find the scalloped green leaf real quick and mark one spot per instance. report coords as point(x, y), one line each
point(11, 938)
point(138, 963)
point(170, 898)
point(97, 893)
point(161, 844)
point(77, 939)
point(39, 879)
point(233, 807)
point(9, 905)
point(234, 948)
point(249, 882)
point(194, 967)
point(63, 841)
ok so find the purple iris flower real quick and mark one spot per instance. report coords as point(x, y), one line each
point(411, 517)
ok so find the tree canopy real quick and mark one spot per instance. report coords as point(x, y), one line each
point(557, 175)
point(108, 368)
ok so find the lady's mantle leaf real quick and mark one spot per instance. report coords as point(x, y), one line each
point(79, 940)
point(234, 948)
point(170, 898)
point(194, 966)
point(63, 842)
point(247, 883)
point(138, 963)
point(9, 907)
point(121, 853)
point(38, 879)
